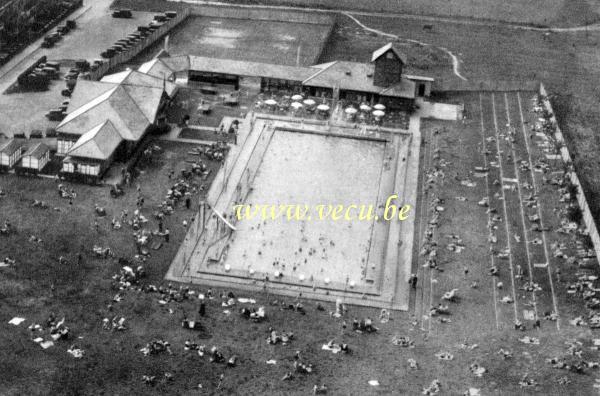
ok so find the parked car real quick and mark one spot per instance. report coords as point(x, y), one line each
point(123, 13)
point(36, 134)
point(54, 65)
point(55, 115)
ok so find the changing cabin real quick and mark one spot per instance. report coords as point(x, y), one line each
point(10, 153)
point(35, 159)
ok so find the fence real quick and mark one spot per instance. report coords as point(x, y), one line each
point(263, 14)
point(588, 219)
point(144, 43)
point(454, 84)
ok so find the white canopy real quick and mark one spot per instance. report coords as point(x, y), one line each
point(365, 107)
point(350, 110)
point(270, 102)
point(323, 107)
point(309, 102)
point(296, 105)
point(379, 106)
point(378, 113)
point(297, 97)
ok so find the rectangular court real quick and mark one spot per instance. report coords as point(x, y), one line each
point(265, 41)
point(532, 280)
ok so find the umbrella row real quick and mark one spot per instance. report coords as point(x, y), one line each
point(297, 104)
point(378, 112)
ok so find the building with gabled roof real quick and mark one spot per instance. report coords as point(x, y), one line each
point(109, 118)
point(116, 105)
point(92, 154)
point(388, 63)
point(135, 78)
point(11, 152)
point(34, 159)
point(380, 80)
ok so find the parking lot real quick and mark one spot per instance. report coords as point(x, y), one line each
point(96, 30)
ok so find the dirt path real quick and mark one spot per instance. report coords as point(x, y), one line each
point(455, 61)
point(425, 18)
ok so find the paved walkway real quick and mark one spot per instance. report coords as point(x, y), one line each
point(439, 111)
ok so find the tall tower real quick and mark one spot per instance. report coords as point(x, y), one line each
point(388, 66)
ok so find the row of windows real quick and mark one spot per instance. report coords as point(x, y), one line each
point(84, 169)
point(9, 161)
point(64, 146)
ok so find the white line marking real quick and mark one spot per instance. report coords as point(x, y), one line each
point(487, 189)
point(424, 204)
point(510, 260)
point(539, 212)
point(523, 222)
point(431, 283)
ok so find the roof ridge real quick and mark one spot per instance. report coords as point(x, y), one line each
point(108, 95)
point(319, 72)
point(135, 103)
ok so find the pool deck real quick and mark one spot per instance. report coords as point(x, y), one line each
point(387, 286)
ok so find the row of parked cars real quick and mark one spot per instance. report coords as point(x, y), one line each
point(55, 36)
point(59, 113)
point(38, 75)
point(132, 39)
point(81, 70)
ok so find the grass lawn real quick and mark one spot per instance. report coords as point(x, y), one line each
point(537, 12)
point(564, 62)
point(113, 364)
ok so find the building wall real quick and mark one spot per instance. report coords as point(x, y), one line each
point(388, 71)
point(9, 160)
point(251, 84)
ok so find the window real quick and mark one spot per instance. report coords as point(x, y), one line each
point(64, 146)
point(68, 167)
point(86, 169)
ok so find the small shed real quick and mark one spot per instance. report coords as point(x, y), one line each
point(10, 152)
point(36, 158)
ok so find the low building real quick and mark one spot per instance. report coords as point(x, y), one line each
point(89, 158)
point(107, 120)
point(10, 153)
point(381, 80)
point(34, 160)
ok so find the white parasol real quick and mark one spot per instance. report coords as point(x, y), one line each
point(365, 107)
point(323, 107)
point(378, 113)
point(296, 105)
point(350, 110)
point(309, 102)
point(379, 106)
point(297, 97)
point(270, 102)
